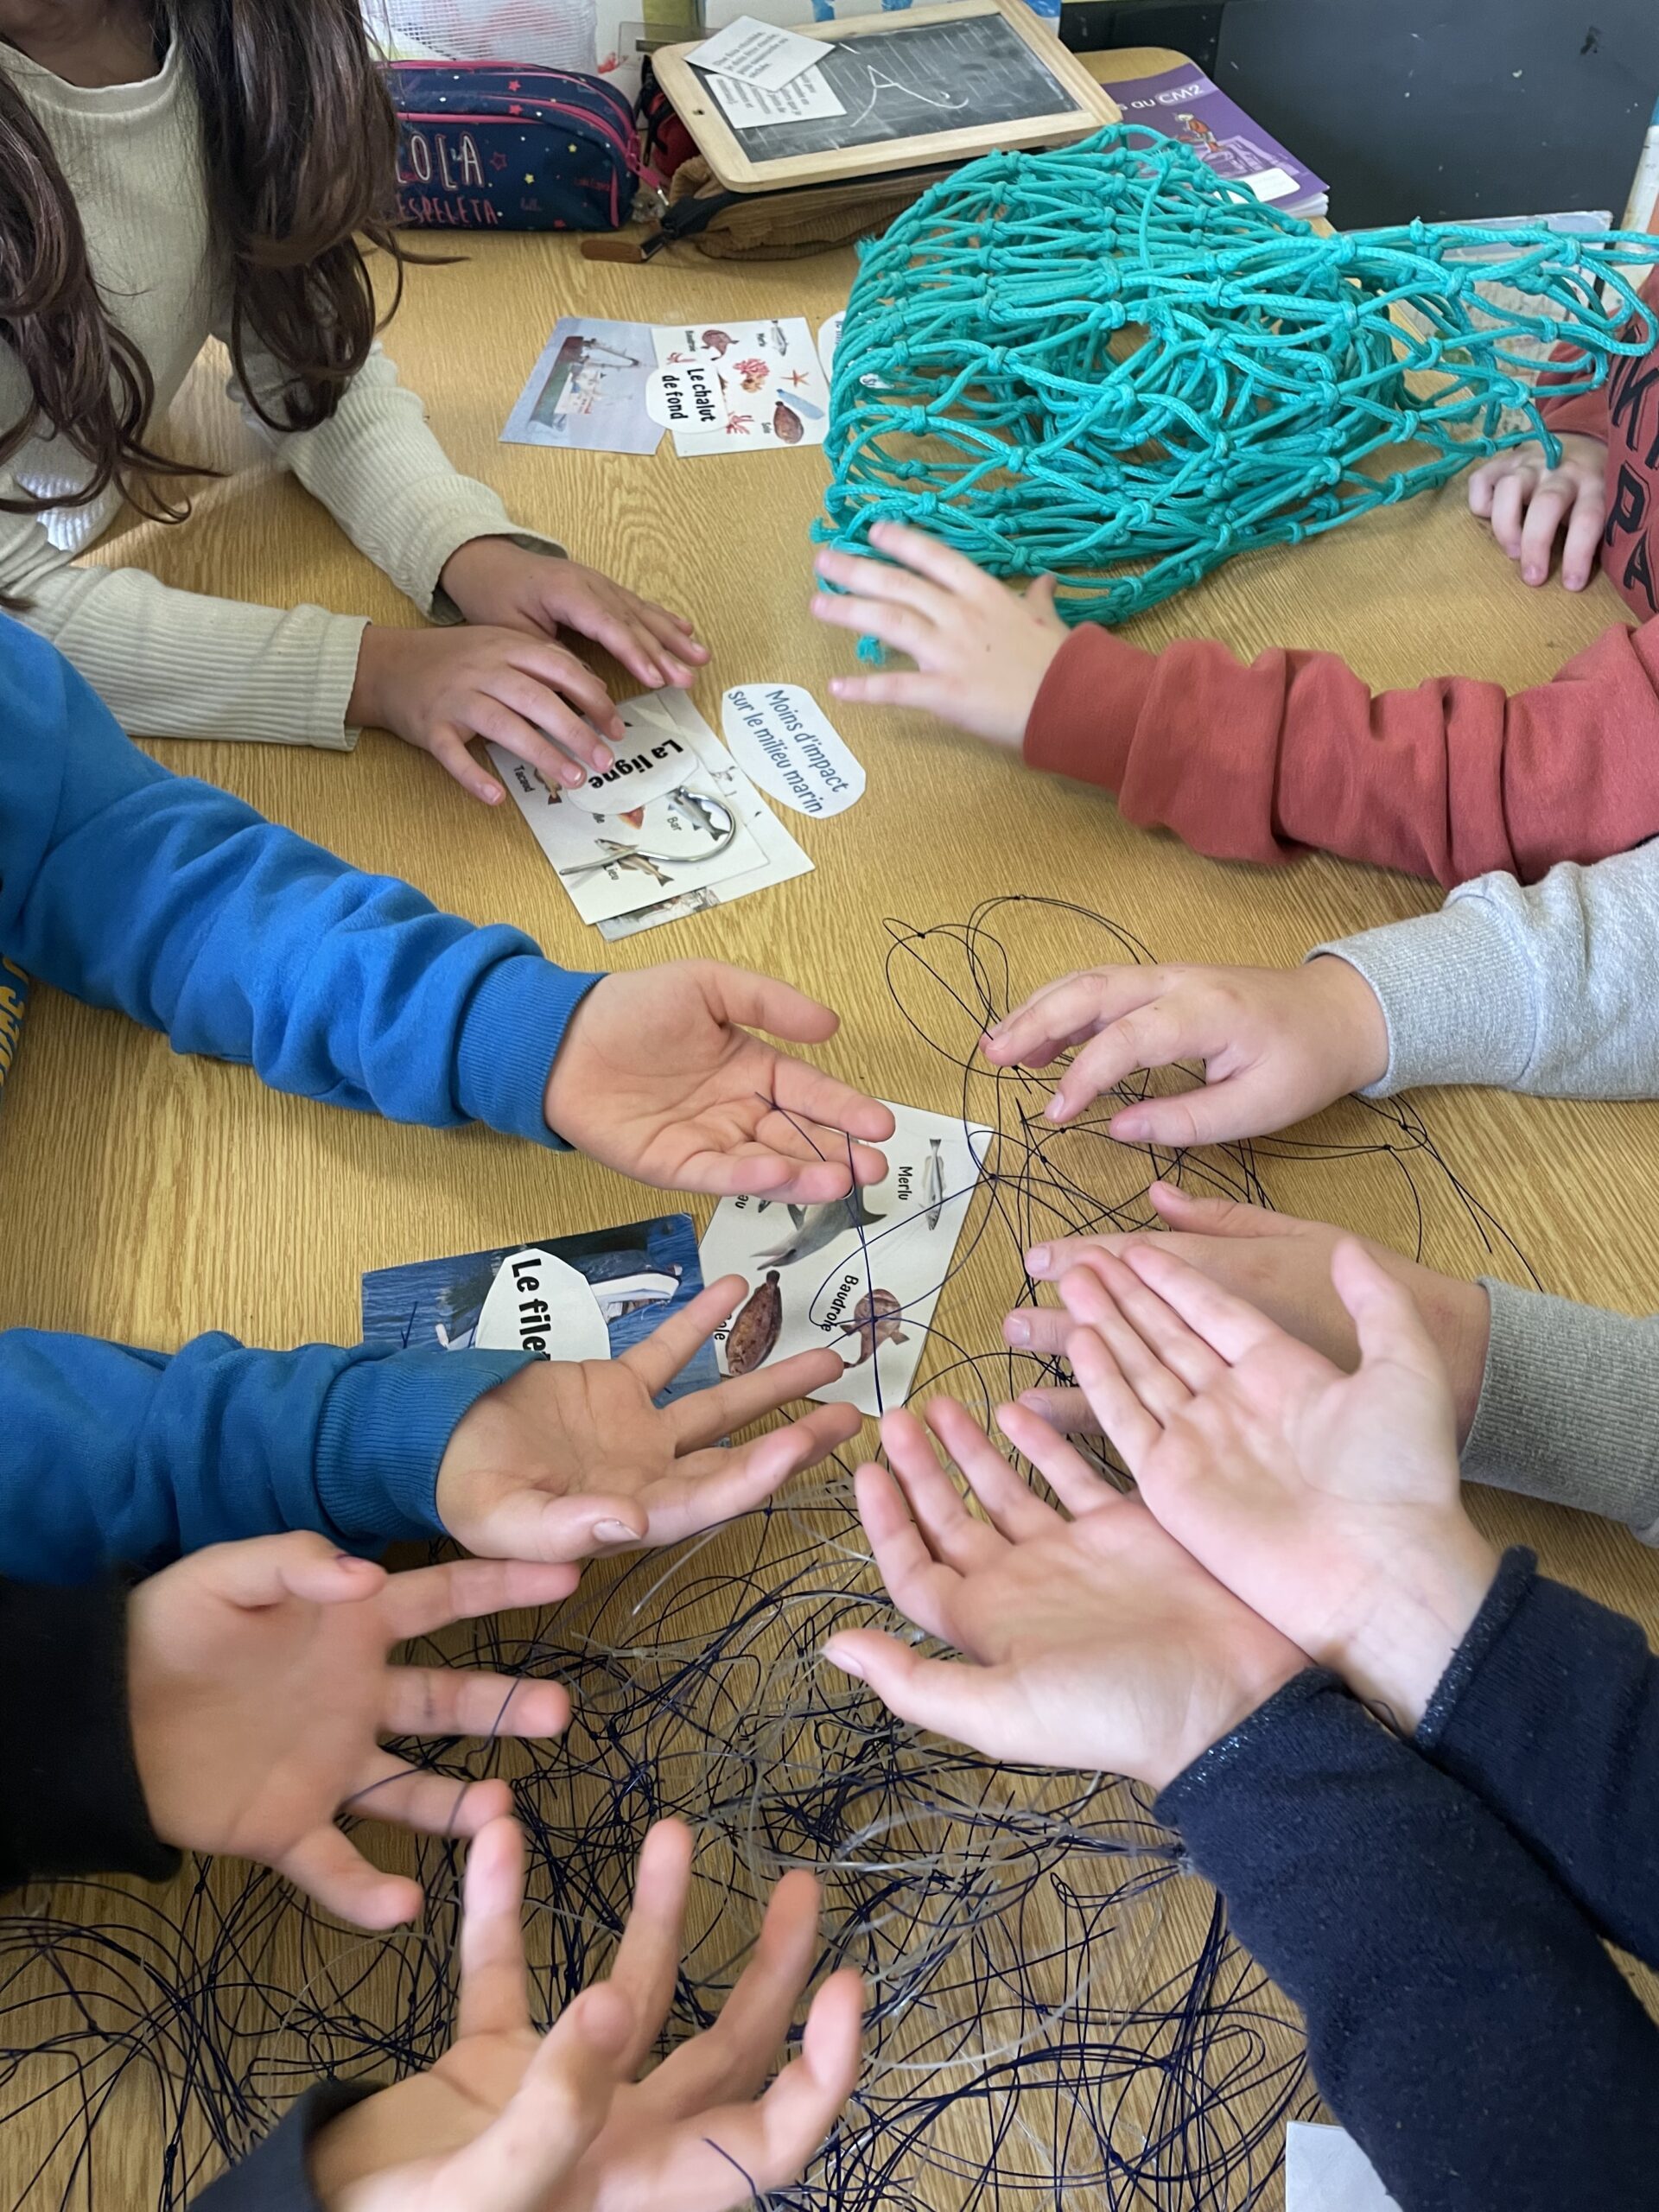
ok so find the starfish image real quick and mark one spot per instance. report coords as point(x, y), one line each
point(797, 378)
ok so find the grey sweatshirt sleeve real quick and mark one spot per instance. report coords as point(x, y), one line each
point(1547, 987)
point(1569, 1408)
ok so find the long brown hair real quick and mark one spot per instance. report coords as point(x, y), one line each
point(299, 145)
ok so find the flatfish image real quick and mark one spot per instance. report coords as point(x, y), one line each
point(750, 1342)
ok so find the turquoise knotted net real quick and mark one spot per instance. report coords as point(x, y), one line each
point(1106, 362)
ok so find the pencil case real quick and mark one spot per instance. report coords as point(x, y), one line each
point(483, 146)
point(785, 226)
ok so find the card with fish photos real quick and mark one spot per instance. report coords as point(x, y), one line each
point(775, 388)
point(586, 1297)
point(782, 858)
point(672, 815)
point(863, 1275)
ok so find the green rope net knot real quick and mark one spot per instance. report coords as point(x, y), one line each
point(1106, 362)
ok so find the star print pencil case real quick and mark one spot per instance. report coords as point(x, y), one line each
point(486, 147)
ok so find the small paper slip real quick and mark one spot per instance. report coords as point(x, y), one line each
point(1325, 2171)
point(806, 98)
point(757, 53)
point(592, 1296)
point(775, 390)
point(863, 1275)
point(670, 822)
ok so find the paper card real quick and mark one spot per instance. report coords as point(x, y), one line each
point(782, 738)
point(782, 858)
point(757, 53)
point(632, 1279)
point(688, 395)
point(612, 863)
point(806, 98)
point(1325, 2171)
point(863, 1276)
point(772, 376)
point(828, 338)
point(587, 392)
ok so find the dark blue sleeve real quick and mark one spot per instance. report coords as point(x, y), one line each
point(130, 887)
point(273, 2177)
point(117, 1458)
point(1464, 2023)
point(1549, 1714)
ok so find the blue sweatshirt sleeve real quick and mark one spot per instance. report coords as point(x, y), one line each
point(115, 1458)
point(1549, 1714)
point(130, 887)
point(1464, 2023)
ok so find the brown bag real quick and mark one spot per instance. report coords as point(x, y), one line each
point(782, 226)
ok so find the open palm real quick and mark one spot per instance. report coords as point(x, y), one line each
point(1318, 1497)
point(571, 1458)
point(661, 1076)
point(1098, 1643)
point(260, 1687)
point(508, 2122)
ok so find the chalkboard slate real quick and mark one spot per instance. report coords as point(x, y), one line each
point(901, 83)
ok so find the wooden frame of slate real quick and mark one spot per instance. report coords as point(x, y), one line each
point(896, 74)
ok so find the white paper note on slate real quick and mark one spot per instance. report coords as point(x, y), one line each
point(806, 98)
point(760, 54)
point(1325, 2171)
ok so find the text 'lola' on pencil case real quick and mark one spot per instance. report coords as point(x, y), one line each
point(486, 147)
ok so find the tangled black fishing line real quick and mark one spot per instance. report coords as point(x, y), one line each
point(1056, 2015)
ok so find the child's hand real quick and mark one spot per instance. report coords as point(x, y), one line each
point(660, 1076)
point(259, 1688)
point(1330, 1502)
point(438, 690)
point(1277, 1045)
point(1098, 1643)
point(508, 2122)
point(492, 581)
point(570, 1458)
point(1528, 504)
point(1278, 1264)
point(980, 651)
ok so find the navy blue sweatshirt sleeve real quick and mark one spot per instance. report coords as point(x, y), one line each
point(115, 1457)
point(1464, 2022)
point(133, 889)
point(72, 1802)
point(273, 2177)
point(1549, 1714)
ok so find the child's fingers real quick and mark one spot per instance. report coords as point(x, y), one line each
point(900, 627)
point(1250, 1105)
point(1116, 1405)
point(918, 1585)
point(1154, 1035)
point(494, 1993)
point(903, 687)
point(1549, 504)
point(1232, 1327)
point(547, 754)
point(726, 2156)
point(942, 1695)
point(264, 1571)
point(428, 1597)
point(647, 1960)
point(1066, 1471)
point(1038, 1328)
point(518, 2162)
point(1068, 1412)
point(448, 749)
point(1510, 496)
point(1583, 542)
point(1088, 1296)
point(1067, 1010)
point(953, 572)
point(731, 2059)
point(389, 1788)
point(1214, 1217)
point(457, 1702)
point(1386, 1320)
point(880, 580)
point(328, 1866)
point(951, 1532)
point(1013, 1509)
point(701, 1418)
point(659, 1357)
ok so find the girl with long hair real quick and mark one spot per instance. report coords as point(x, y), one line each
point(176, 169)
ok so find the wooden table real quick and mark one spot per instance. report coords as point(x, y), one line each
point(151, 1197)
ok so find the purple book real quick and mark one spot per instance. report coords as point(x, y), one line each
point(1184, 105)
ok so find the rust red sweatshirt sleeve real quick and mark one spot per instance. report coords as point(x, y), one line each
point(1450, 780)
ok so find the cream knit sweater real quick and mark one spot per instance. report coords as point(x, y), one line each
point(176, 663)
